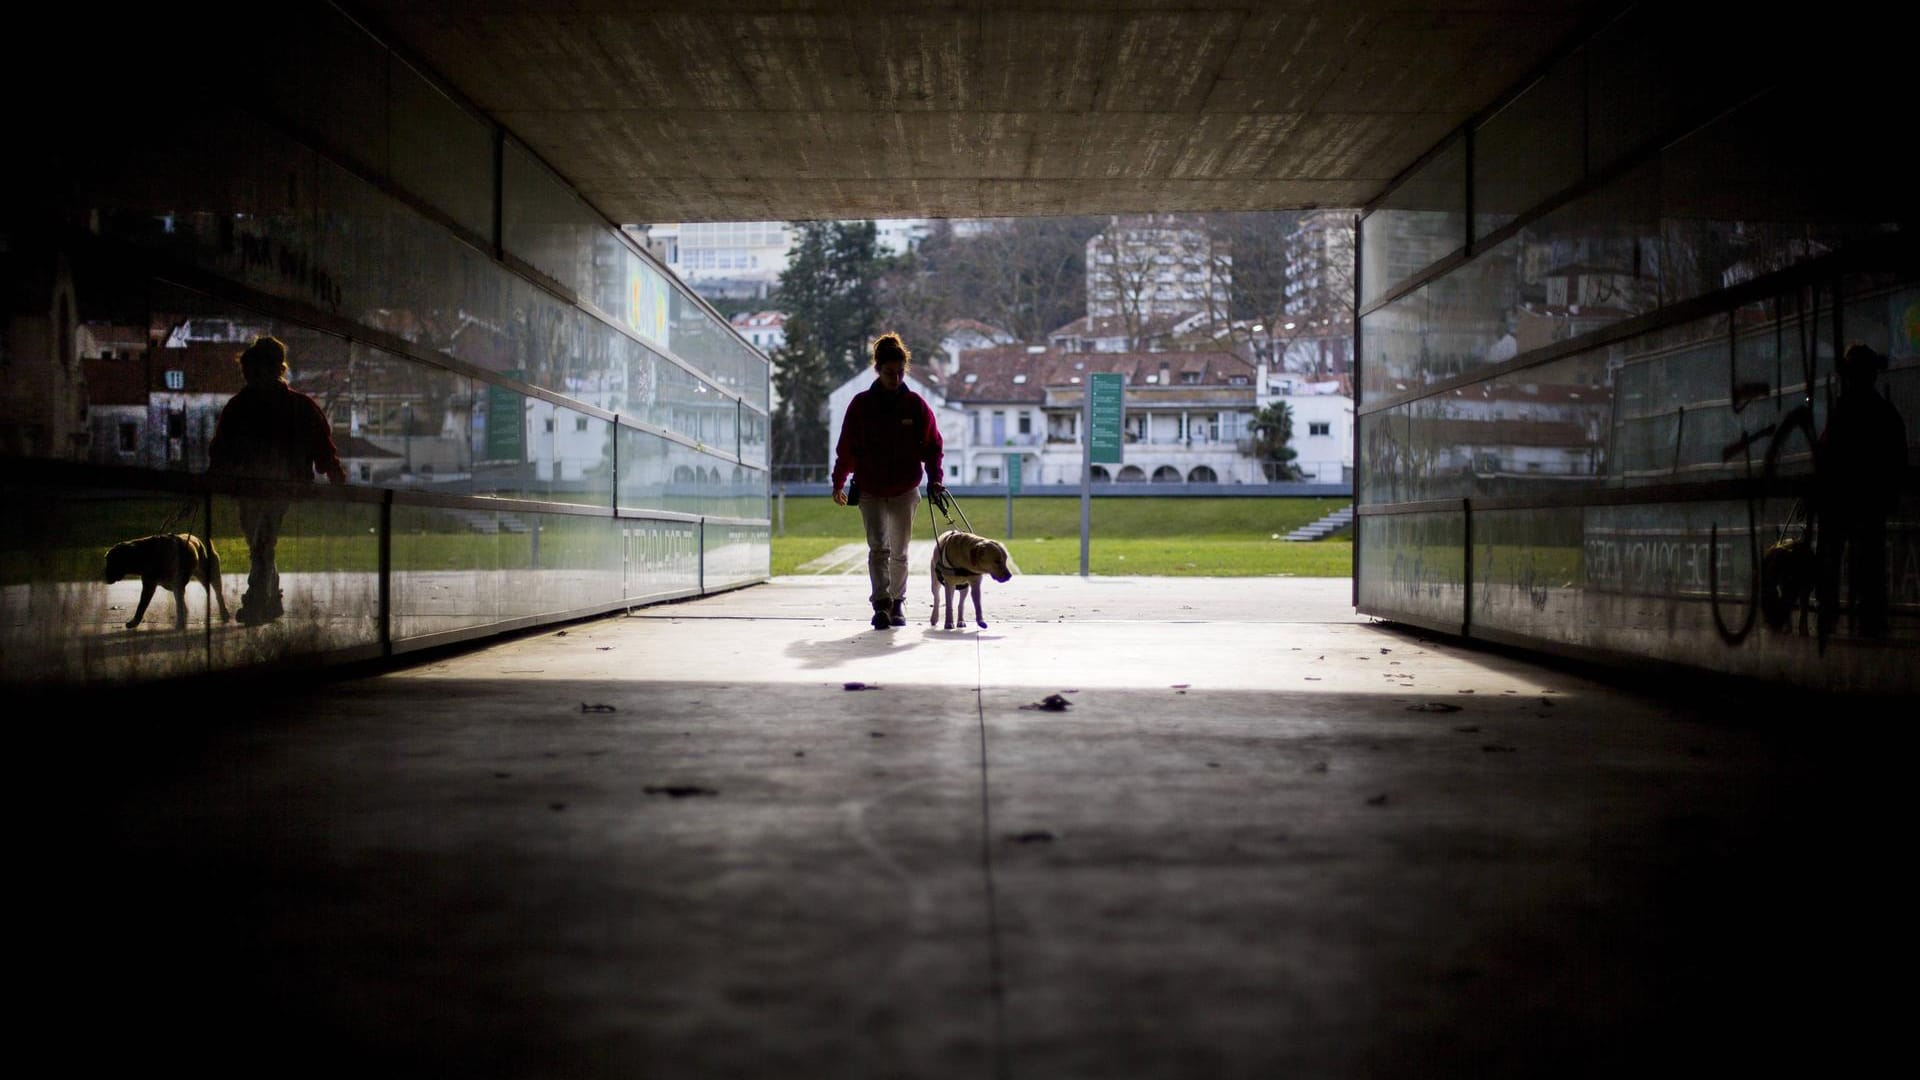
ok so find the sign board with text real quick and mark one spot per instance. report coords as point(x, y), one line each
point(1013, 473)
point(1107, 393)
point(506, 436)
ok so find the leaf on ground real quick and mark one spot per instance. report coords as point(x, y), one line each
point(1433, 706)
point(678, 791)
point(1050, 703)
point(584, 707)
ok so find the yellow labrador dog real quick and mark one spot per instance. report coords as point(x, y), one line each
point(960, 560)
point(169, 561)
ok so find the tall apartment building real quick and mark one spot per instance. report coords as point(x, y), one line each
point(1147, 267)
point(1319, 294)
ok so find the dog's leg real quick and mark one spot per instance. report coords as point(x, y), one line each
point(180, 605)
point(979, 620)
point(147, 585)
point(210, 577)
point(947, 588)
point(934, 574)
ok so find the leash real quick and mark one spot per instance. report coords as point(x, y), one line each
point(945, 500)
point(174, 518)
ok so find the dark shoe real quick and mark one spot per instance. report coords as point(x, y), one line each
point(898, 616)
point(881, 621)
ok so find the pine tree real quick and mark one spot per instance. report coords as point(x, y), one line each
point(830, 296)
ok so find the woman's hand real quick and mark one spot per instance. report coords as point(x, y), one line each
point(839, 497)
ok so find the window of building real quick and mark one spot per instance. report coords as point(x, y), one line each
point(580, 423)
point(1320, 427)
point(549, 423)
point(1190, 378)
point(129, 438)
point(1026, 423)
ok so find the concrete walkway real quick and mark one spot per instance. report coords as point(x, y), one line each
point(1264, 837)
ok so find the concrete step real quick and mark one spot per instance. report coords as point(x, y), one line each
point(1325, 527)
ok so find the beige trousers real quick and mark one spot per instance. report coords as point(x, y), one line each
point(889, 523)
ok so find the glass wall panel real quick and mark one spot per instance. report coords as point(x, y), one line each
point(562, 454)
point(1412, 565)
point(662, 558)
point(545, 224)
point(1632, 99)
point(328, 561)
point(737, 554)
point(645, 468)
point(158, 406)
point(445, 564)
point(556, 563)
point(1532, 149)
point(62, 621)
point(1689, 583)
point(441, 153)
point(1529, 567)
point(1419, 223)
point(753, 436)
point(411, 424)
point(346, 110)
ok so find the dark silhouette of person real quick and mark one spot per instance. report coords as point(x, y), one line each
point(887, 439)
point(269, 431)
point(1859, 466)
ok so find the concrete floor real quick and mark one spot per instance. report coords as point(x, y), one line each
point(1267, 837)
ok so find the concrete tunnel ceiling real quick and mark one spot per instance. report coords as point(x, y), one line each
point(724, 111)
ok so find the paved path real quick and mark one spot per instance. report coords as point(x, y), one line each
point(1264, 837)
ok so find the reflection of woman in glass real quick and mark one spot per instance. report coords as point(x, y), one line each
point(269, 431)
point(1860, 464)
point(888, 436)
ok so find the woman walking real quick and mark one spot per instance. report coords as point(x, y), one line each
point(886, 439)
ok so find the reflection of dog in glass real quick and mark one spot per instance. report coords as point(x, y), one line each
point(1786, 582)
point(170, 561)
point(960, 560)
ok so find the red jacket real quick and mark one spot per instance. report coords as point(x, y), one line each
point(275, 433)
point(885, 440)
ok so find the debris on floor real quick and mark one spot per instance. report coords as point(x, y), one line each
point(584, 707)
point(857, 686)
point(678, 791)
point(1498, 749)
point(1468, 729)
point(1050, 703)
point(1378, 800)
point(1036, 836)
point(1433, 706)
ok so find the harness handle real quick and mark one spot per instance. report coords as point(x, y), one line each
point(949, 500)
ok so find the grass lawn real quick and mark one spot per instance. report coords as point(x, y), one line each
point(1158, 536)
point(1171, 537)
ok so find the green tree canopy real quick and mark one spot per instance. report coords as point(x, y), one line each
point(830, 294)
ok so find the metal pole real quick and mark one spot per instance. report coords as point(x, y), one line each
point(780, 513)
point(1086, 469)
point(1009, 509)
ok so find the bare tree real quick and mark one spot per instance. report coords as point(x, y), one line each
point(1025, 275)
point(1123, 273)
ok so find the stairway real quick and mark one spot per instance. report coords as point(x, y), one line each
point(488, 522)
point(1325, 527)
